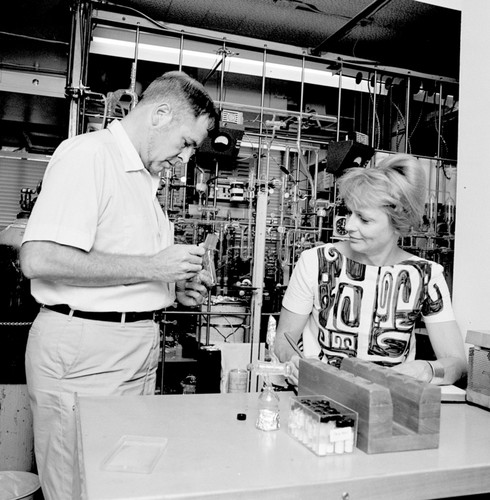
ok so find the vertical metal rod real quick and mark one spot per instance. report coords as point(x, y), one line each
point(184, 189)
point(283, 250)
point(373, 131)
point(439, 138)
point(74, 79)
point(262, 96)
point(259, 241)
point(163, 333)
point(315, 187)
point(216, 175)
point(222, 79)
point(407, 113)
point(300, 117)
point(181, 51)
point(339, 103)
point(134, 65)
point(301, 99)
point(439, 122)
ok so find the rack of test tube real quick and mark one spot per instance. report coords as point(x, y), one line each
point(322, 425)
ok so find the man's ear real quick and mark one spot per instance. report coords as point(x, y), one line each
point(161, 115)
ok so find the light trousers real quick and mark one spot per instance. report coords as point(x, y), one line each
point(67, 355)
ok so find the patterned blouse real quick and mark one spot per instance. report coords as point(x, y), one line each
point(365, 311)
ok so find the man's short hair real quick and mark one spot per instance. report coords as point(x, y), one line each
point(184, 93)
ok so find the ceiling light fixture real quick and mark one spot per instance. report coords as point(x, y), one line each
point(236, 64)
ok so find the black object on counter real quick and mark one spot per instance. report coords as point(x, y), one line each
point(208, 370)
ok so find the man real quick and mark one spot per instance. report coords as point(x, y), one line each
point(99, 251)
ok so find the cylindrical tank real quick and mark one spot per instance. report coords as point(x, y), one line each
point(227, 323)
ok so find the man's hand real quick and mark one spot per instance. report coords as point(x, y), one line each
point(190, 293)
point(204, 277)
point(178, 263)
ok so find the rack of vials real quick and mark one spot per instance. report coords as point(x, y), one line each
point(322, 425)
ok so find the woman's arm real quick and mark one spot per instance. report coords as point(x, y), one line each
point(293, 324)
point(448, 346)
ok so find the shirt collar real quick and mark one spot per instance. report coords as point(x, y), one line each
point(131, 158)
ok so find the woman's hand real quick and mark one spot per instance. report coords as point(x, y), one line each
point(292, 379)
point(418, 369)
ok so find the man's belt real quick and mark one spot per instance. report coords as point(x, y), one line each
point(115, 317)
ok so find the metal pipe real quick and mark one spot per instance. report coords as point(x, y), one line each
point(134, 66)
point(339, 103)
point(373, 125)
point(181, 51)
point(74, 76)
point(438, 166)
point(407, 114)
point(260, 238)
point(349, 26)
point(222, 77)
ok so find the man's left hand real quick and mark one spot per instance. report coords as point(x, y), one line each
point(190, 293)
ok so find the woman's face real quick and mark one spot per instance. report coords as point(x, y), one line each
point(370, 230)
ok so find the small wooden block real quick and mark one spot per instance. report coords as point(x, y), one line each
point(480, 338)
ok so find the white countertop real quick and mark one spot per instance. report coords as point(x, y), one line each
point(211, 454)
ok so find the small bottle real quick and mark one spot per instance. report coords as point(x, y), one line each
point(268, 416)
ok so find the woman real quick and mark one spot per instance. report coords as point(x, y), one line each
point(362, 296)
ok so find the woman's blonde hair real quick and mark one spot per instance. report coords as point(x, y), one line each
point(397, 184)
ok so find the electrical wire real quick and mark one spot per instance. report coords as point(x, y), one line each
point(417, 122)
point(132, 9)
point(398, 137)
point(436, 124)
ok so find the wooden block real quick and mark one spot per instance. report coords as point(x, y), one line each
point(395, 412)
point(414, 403)
point(480, 338)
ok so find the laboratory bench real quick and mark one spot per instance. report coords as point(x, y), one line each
point(207, 452)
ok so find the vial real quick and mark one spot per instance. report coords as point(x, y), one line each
point(268, 414)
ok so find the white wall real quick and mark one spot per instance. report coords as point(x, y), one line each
point(450, 4)
point(471, 295)
point(471, 285)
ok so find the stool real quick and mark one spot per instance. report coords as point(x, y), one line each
point(17, 485)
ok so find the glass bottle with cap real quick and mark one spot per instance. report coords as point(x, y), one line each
point(268, 413)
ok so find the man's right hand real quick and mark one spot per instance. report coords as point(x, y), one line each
point(178, 263)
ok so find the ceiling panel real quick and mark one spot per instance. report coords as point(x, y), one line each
point(401, 33)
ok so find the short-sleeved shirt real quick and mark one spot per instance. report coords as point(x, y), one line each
point(97, 195)
point(365, 311)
